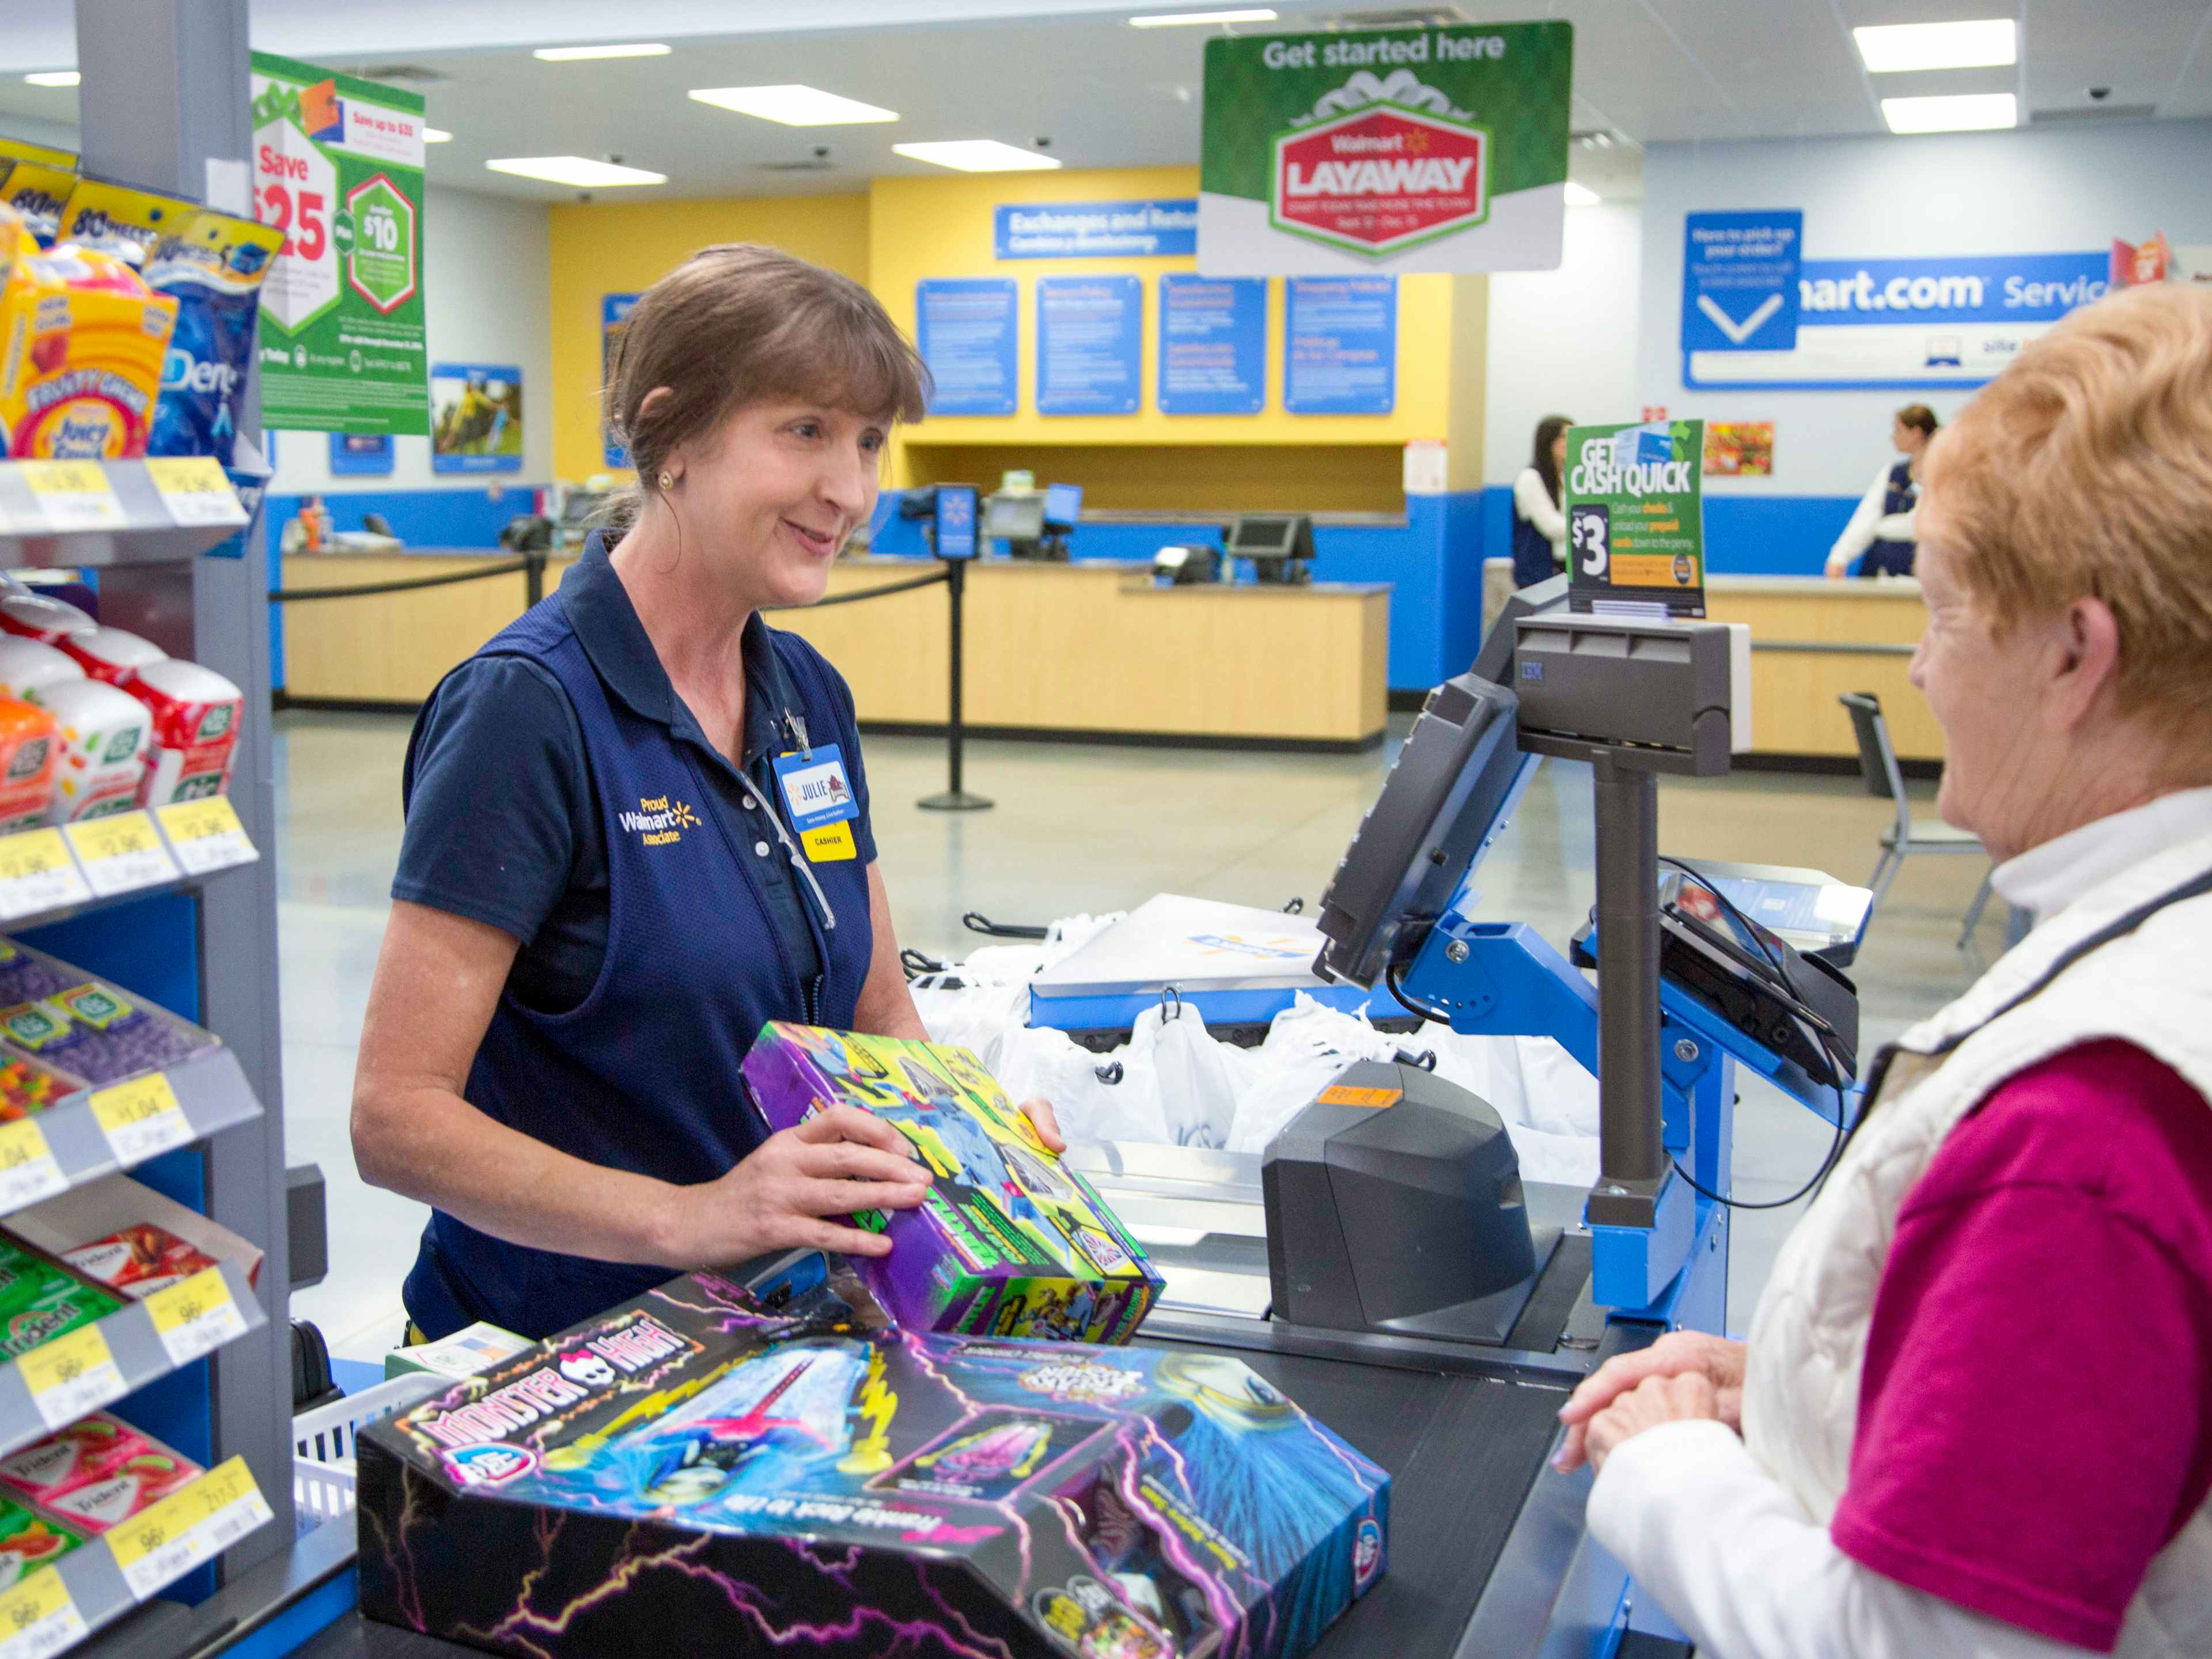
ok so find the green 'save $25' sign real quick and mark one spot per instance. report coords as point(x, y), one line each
point(338, 166)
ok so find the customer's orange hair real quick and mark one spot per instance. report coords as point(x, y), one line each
point(2086, 469)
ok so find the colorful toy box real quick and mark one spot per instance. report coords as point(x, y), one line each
point(1011, 1240)
point(690, 1471)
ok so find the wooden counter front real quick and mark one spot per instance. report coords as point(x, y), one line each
point(1059, 648)
point(1813, 640)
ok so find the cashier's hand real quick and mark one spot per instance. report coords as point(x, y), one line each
point(1685, 1398)
point(1046, 1123)
point(796, 1190)
point(1679, 1353)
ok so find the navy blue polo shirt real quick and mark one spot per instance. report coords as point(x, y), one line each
point(501, 729)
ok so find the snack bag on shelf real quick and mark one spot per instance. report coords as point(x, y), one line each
point(28, 737)
point(212, 264)
point(35, 182)
point(30, 1541)
point(27, 1087)
point(196, 719)
point(35, 617)
point(121, 220)
point(82, 340)
point(111, 654)
point(103, 746)
point(139, 1259)
point(27, 668)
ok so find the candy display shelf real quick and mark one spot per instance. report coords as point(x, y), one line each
point(48, 873)
point(104, 513)
point(57, 1607)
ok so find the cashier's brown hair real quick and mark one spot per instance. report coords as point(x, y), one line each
point(2085, 469)
point(737, 323)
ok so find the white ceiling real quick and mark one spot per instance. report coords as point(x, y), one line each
point(1104, 94)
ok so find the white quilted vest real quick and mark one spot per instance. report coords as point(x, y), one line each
point(2152, 987)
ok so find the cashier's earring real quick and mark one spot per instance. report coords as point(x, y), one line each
point(667, 479)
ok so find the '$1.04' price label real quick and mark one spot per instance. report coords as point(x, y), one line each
point(28, 1172)
point(140, 1118)
point(188, 1527)
point(38, 1617)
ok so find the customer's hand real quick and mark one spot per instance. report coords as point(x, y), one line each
point(1046, 1122)
point(780, 1196)
point(1686, 1398)
point(1678, 1353)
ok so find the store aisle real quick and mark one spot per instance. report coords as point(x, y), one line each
point(1078, 827)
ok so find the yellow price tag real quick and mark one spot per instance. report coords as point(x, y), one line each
point(28, 1170)
point(32, 852)
point(73, 494)
point(140, 1118)
point(121, 852)
point(195, 820)
point(65, 478)
point(38, 1617)
point(187, 1528)
point(194, 490)
point(196, 1315)
point(71, 1374)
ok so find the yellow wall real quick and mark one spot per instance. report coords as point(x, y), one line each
point(622, 247)
point(906, 229)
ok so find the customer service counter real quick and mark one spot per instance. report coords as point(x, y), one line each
point(1812, 639)
point(1091, 648)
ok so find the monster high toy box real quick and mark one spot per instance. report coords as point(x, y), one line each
point(690, 1473)
point(1011, 1242)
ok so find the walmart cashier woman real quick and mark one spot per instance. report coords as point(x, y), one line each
point(614, 869)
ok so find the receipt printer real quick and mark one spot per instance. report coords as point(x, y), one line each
point(1189, 562)
point(1394, 1204)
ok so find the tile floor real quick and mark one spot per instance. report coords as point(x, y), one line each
point(1080, 828)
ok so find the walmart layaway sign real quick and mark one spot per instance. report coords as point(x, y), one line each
point(1388, 150)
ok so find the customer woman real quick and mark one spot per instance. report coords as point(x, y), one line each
point(1879, 539)
point(607, 883)
point(1539, 532)
point(1975, 1413)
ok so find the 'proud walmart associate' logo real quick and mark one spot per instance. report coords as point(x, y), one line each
point(658, 821)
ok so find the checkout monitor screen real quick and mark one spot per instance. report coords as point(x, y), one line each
point(1264, 536)
point(1063, 506)
point(1014, 517)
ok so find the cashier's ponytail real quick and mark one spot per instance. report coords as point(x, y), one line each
point(739, 322)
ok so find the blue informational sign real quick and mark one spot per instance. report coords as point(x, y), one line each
point(1090, 344)
point(614, 315)
point(966, 330)
point(956, 521)
point(1213, 345)
point(1340, 345)
point(1909, 323)
point(1096, 230)
point(361, 455)
point(476, 417)
point(1740, 280)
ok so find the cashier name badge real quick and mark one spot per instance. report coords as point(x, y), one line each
point(820, 797)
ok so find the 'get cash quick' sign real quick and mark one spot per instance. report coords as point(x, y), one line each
point(1636, 527)
point(1385, 150)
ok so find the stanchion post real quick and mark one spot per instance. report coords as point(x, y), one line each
point(955, 799)
point(533, 576)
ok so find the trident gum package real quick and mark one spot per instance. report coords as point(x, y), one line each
point(29, 1540)
point(1011, 1240)
point(36, 182)
point(212, 265)
point(97, 1473)
point(195, 718)
point(82, 343)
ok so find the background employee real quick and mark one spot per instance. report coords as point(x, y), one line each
point(612, 875)
point(1540, 529)
point(1880, 536)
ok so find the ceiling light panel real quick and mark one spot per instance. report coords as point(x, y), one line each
point(1972, 112)
point(793, 105)
point(977, 155)
point(579, 172)
point(436, 135)
point(1901, 48)
point(1581, 195)
point(1174, 19)
point(54, 78)
point(586, 54)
